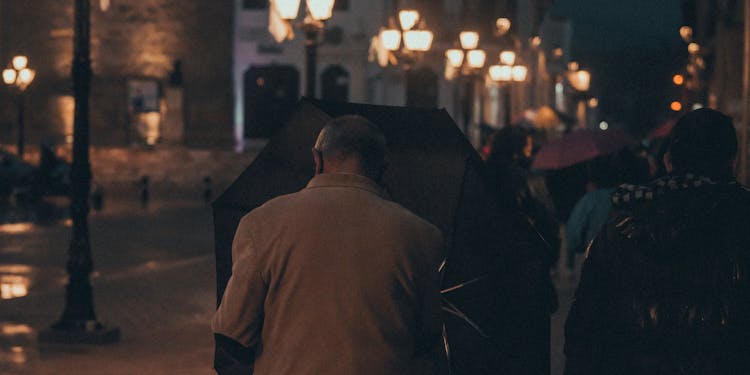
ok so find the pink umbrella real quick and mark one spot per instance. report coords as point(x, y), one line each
point(663, 130)
point(579, 146)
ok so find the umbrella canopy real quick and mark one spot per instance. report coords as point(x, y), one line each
point(493, 278)
point(580, 145)
point(663, 130)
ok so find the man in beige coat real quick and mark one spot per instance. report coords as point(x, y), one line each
point(335, 279)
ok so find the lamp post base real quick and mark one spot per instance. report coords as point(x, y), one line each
point(89, 332)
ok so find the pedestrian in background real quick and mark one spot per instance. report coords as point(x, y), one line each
point(508, 162)
point(334, 279)
point(594, 208)
point(664, 288)
point(508, 165)
point(145, 195)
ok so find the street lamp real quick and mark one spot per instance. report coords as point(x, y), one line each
point(388, 46)
point(318, 11)
point(78, 323)
point(466, 63)
point(505, 74)
point(19, 77)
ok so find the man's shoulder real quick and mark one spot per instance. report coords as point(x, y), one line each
point(276, 205)
point(397, 211)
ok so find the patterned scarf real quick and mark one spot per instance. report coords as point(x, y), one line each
point(628, 193)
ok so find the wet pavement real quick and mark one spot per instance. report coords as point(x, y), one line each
point(154, 279)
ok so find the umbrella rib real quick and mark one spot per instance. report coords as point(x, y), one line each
point(452, 309)
point(461, 285)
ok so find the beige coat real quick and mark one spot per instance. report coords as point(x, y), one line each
point(334, 279)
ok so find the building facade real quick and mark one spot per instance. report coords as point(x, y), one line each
point(266, 71)
point(162, 71)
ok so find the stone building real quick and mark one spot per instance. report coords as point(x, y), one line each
point(162, 71)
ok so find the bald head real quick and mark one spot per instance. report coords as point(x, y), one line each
point(351, 144)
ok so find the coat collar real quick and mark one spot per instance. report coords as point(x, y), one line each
point(662, 186)
point(345, 180)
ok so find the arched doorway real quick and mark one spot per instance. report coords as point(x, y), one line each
point(421, 88)
point(270, 93)
point(335, 84)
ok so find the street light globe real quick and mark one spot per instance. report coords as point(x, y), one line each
point(469, 39)
point(455, 57)
point(501, 73)
point(519, 73)
point(676, 106)
point(391, 39)
point(694, 48)
point(503, 25)
point(418, 40)
point(20, 62)
point(507, 57)
point(476, 58)
point(9, 76)
point(581, 80)
point(320, 10)
point(603, 125)
point(287, 9)
point(536, 41)
point(686, 32)
point(678, 79)
point(408, 18)
point(25, 76)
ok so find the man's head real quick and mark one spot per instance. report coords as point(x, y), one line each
point(703, 142)
point(350, 144)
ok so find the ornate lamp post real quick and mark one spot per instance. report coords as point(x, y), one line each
point(78, 323)
point(580, 80)
point(504, 74)
point(318, 11)
point(466, 63)
point(19, 77)
point(416, 40)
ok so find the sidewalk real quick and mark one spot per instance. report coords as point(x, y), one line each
point(155, 280)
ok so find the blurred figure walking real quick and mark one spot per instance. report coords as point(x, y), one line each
point(508, 164)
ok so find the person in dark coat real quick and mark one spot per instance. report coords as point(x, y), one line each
point(508, 163)
point(664, 288)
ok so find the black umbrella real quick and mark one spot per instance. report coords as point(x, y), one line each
point(495, 278)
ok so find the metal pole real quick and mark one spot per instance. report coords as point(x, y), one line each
point(20, 125)
point(78, 322)
point(742, 175)
point(506, 105)
point(311, 56)
point(467, 101)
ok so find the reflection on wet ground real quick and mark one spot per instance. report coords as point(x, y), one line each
point(15, 280)
point(153, 278)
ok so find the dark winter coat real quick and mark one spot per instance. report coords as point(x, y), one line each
point(665, 288)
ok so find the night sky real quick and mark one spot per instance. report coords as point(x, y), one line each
point(632, 48)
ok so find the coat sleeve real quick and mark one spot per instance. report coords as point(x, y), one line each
point(238, 321)
point(588, 322)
